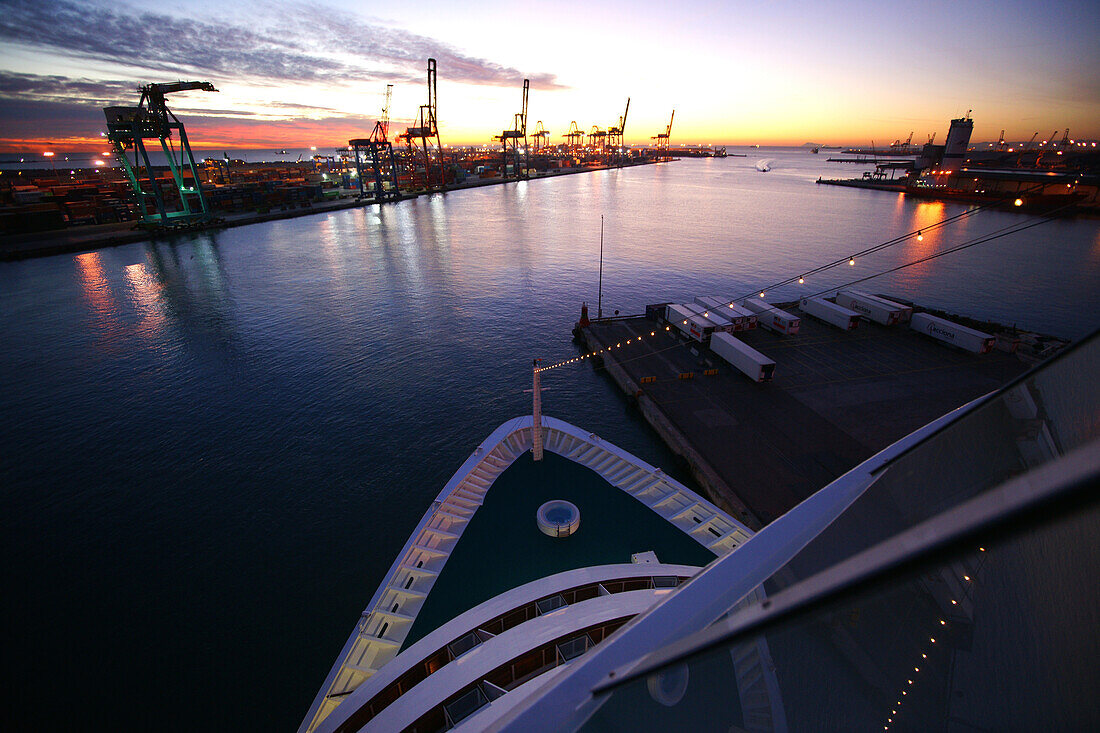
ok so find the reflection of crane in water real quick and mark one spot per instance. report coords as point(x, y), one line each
point(129, 127)
point(194, 289)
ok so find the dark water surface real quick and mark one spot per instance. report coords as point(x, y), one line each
point(212, 448)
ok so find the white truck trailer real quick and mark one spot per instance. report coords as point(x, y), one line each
point(740, 355)
point(875, 308)
point(686, 322)
point(773, 318)
point(833, 314)
point(952, 333)
point(743, 320)
point(719, 319)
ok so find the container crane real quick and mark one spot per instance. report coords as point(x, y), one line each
point(372, 155)
point(597, 139)
point(540, 137)
point(663, 138)
point(574, 138)
point(509, 139)
point(129, 127)
point(422, 139)
point(615, 135)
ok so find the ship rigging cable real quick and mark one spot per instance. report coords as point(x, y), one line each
point(983, 239)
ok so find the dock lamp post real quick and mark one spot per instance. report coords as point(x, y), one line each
point(49, 154)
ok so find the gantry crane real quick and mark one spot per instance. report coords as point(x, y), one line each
point(597, 140)
point(540, 138)
point(509, 139)
point(574, 138)
point(663, 138)
point(615, 136)
point(1001, 144)
point(129, 127)
point(899, 146)
point(426, 131)
point(375, 156)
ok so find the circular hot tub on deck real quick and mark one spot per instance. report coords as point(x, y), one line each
point(559, 518)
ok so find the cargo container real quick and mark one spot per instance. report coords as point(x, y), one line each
point(952, 333)
point(743, 357)
point(742, 319)
point(906, 310)
point(773, 318)
point(831, 313)
point(874, 308)
point(686, 322)
point(714, 315)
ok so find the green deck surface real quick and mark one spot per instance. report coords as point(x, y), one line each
point(503, 548)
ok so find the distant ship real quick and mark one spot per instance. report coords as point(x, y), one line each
point(764, 165)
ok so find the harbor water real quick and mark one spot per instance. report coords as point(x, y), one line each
point(214, 446)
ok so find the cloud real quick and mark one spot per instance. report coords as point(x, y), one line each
point(96, 93)
point(26, 124)
point(288, 44)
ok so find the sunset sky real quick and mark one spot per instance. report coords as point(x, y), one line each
point(294, 74)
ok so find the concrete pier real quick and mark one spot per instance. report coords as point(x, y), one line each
point(837, 398)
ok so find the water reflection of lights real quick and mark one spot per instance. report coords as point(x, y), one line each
point(94, 285)
point(145, 295)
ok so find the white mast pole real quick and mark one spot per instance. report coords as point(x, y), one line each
point(536, 414)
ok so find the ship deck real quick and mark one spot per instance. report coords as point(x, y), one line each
point(503, 548)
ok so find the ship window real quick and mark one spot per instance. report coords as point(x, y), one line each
point(574, 647)
point(665, 581)
point(394, 609)
point(408, 582)
point(714, 532)
point(382, 631)
point(546, 605)
point(492, 692)
point(463, 644)
point(697, 519)
point(465, 706)
point(420, 564)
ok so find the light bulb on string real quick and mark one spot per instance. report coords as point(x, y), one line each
point(801, 280)
point(851, 260)
point(920, 236)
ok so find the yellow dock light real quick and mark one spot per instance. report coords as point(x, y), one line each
point(761, 293)
point(851, 260)
point(801, 280)
point(1018, 202)
point(920, 235)
point(667, 328)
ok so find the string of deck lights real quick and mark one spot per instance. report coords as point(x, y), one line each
point(968, 584)
point(801, 279)
point(589, 355)
point(918, 234)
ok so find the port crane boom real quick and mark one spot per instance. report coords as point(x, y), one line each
point(374, 157)
point(663, 138)
point(129, 127)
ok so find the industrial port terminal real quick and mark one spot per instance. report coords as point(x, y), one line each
point(138, 196)
point(1056, 175)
